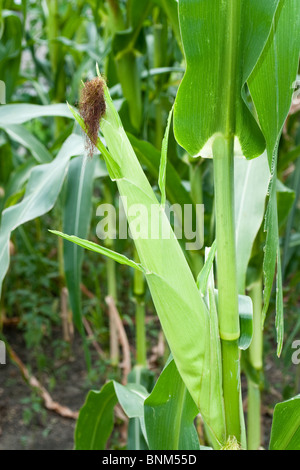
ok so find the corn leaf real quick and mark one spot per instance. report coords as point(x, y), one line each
point(170, 413)
point(208, 30)
point(271, 89)
point(77, 211)
point(251, 186)
point(11, 49)
point(285, 433)
point(12, 114)
point(150, 157)
point(41, 193)
point(96, 418)
point(163, 162)
point(102, 250)
point(21, 135)
point(246, 321)
point(182, 311)
point(215, 423)
point(205, 272)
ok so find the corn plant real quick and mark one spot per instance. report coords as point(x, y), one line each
point(244, 55)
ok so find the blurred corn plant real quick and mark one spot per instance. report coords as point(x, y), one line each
point(46, 58)
point(36, 176)
point(241, 63)
point(244, 55)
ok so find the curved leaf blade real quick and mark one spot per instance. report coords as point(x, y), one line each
point(285, 434)
point(170, 413)
point(12, 114)
point(102, 250)
point(271, 88)
point(77, 211)
point(42, 190)
point(96, 418)
point(208, 30)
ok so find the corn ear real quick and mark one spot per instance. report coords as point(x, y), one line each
point(181, 309)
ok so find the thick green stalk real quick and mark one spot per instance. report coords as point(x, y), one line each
point(223, 152)
point(254, 416)
point(139, 293)
point(256, 361)
point(227, 282)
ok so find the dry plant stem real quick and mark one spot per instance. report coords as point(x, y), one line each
point(126, 364)
point(34, 383)
point(67, 325)
point(90, 333)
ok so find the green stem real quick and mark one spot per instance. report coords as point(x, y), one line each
point(254, 416)
point(140, 334)
point(223, 152)
point(256, 361)
point(227, 281)
point(139, 293)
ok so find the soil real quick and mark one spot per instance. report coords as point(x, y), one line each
point(25, 424)
point(47, 430)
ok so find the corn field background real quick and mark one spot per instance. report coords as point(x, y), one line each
point(74, 321)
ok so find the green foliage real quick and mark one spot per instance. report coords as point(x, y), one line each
point(240, 61)
point(286, 426)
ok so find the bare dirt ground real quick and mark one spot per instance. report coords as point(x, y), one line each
point(24, 421)
point(25, 424)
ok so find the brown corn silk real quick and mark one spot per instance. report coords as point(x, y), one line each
point(92, 108)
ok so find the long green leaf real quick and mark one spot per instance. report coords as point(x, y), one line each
point(163, 162)
point(251, 187)
point(96, 419)
point(208, 30)
point(149, 157)
point(102, 250)
point(10, 49)
point(285, 434)
point(215, 423)
point(21, 135)
point(170, 413)
point(182, 311)
point(19, 113)
point(271, 89)
point(77, 211)
point(42, 190)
